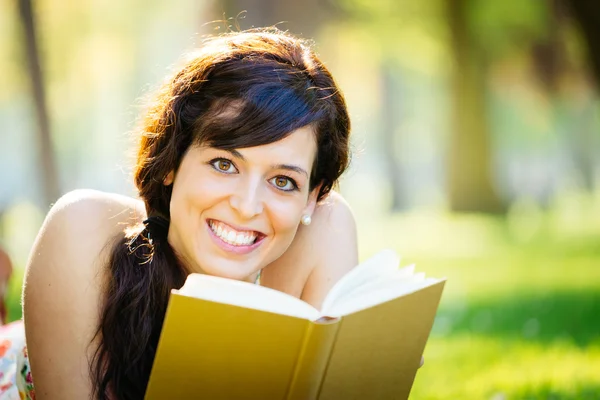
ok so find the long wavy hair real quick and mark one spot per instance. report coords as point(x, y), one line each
point(277, 85)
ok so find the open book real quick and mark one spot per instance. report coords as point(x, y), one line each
point(226, 339)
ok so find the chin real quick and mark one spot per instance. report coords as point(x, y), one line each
point(228, 268)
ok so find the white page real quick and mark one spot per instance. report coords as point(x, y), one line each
point(401, 276)
point(405, 273)
point(245, 294)
point(380, 266)
point(387, 293)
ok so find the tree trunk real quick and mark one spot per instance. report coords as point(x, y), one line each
point(389, 120)
point(551, 63)
point(47, 163)
point(587, 15)
point(469, 158)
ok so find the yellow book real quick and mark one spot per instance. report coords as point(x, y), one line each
point(226, 339)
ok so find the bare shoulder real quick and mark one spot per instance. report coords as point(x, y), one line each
point(332, 229)
point(94, 206)
point(332, 214)
point(82, 221)
point(63, 287)
point(332, 241)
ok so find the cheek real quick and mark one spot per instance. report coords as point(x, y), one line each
point(285, 217)
point(199, 188)
point(190, 197)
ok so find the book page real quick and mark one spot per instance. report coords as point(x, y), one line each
point(404, 275)
point(394, 289)
point(378, 267)
point(248, 295)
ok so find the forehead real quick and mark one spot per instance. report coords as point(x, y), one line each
point(298, 147)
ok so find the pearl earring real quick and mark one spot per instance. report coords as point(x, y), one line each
point(306, 220)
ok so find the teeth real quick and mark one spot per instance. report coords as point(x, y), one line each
point(232, 237)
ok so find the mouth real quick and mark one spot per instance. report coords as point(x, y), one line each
point(232, 236)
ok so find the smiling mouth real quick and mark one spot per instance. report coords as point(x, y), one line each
point(232, 236)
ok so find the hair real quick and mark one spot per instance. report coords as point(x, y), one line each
point(274, 84)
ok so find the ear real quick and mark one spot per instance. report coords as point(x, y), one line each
point(169, 178)
point(311, 203)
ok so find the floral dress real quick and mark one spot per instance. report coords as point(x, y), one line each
point(15, 374)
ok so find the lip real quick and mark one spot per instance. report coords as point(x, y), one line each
point(231, 248)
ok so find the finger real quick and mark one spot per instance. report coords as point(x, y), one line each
point(422, 362)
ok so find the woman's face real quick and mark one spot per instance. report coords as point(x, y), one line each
point(234, 212)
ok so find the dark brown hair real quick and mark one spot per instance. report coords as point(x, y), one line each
point(275, 85)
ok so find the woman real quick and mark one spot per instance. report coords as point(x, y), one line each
point(236, 162)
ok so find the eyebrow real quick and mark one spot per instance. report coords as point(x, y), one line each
point(291, 168)
point(288, 167)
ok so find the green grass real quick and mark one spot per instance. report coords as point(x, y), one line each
point(520, 314)
point(474, 366)
point(13, 297)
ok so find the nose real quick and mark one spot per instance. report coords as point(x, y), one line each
point(247, 198)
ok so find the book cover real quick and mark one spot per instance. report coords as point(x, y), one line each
point(214, 350)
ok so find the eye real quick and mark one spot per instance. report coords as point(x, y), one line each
point(223, 165)
point(284, 183)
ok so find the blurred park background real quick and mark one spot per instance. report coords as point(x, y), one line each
point(476, 135)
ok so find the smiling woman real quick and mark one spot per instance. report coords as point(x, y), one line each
point(237, 158)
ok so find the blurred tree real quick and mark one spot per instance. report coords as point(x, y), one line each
point(299, 17)
point(47, 165)
point(389, 122)
point(587, 15)
point(402, 37)
point(470, 181)
point(548, 50)
point(553, 65)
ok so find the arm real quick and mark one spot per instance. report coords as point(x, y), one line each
point(334, 248)
point(62, 291)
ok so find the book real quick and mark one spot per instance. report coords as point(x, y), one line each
point(226, 339)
